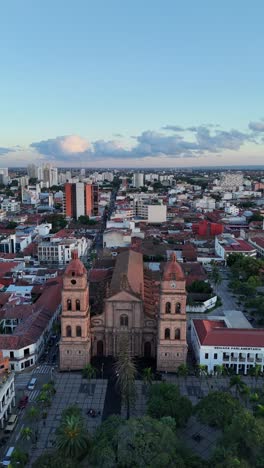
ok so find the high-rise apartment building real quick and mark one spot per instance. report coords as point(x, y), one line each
point(80, 200)
point(138, 180)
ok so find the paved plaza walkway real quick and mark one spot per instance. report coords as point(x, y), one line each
point(71, 389)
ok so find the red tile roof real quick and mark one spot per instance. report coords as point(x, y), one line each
point(215, 333)
point(259, 241)
point(239, 246)
point(7, 267)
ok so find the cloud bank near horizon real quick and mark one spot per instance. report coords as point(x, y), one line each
point(173, 141)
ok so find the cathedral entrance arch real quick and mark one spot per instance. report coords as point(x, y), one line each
point(147, 349)
point(100, 348)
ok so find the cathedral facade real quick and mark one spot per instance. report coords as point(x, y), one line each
point(151, 313)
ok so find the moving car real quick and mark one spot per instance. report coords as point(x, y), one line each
point(23, 402)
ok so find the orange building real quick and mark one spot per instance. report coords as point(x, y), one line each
point(80, 200)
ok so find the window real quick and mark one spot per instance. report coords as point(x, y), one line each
point(167, 334)
point(68, 352)
point(78, 304)
point(124, 321)
point(206, 355)
point(73, 273)
point(69, 304)
point(215, 355)
point(68, 330)
point(178, 308)
point(11, 354)
point(78, 331)
point(168, 308)
point(12, 366)
point(177, 334)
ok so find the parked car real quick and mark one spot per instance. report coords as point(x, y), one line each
point(11, 424)
point(23, 402)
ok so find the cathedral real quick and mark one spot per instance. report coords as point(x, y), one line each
point(152, 313)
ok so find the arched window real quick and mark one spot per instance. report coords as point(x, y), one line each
point(178, 308)
point(177, 334)
point(167, 334)
point(78, 304)
point(124, 321)
point(78, 330)
point(69, 304)
point(68, 330)
point(168, 308)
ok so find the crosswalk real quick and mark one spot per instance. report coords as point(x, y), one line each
point(21, 380)
point(33, 395)
point(43, 369)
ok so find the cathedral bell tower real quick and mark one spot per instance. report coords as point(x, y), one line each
point(172, 343)
point(75, 343)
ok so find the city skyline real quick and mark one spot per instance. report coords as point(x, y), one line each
point(152, 85)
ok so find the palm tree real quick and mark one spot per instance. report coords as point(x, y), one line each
point(44, 399)
point(126, 372)
point(219, 370)
point(245, 394)
point(147, 375)
point(33, 413)
point(201, 371)
point(237, 382)
point(89, 372)
point(26, 433)
point(215, 277)
point(49, 388)
point(72, 438)
point(255, 372)
point(183, 370)
point(259, 411)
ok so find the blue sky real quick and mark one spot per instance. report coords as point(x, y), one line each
point(95, 82)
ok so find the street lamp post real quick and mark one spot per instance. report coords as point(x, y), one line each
point(102, 370)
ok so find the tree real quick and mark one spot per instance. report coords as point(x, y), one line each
point(217, 409)
point(165, 400)
point(89, 373)
point(147, 375)
point(237, 382)
point(215, 276)
point(49, 388)
point(72, 438)
point(255, 372)
point(245, 435)
point(137, 443)
point(26, 433)
point(125, 370)
point(183, 370)
point(54, 460)
point(71, 411)
point(19, 457)
point(44, 399)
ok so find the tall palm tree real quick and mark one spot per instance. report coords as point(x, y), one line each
point(255, 372)
point(126, 373)
point(245, 394)
point(237, 382)
point(71, 437)
point(219, 370)
point(147, 375)
point(44, 399)
point(216, 277)
point(89, 373)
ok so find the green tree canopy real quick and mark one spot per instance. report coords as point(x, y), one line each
point(217, 409)
point(165, 400)
point(137, 443)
